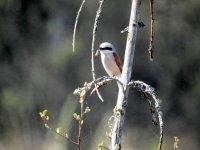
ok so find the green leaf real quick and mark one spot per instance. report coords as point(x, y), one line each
point(87, 109)
point(43, 113)
point(76, 116)
point(58, 130)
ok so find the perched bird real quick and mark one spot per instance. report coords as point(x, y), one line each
point(110, 59)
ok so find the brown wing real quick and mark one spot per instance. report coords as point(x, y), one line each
point(117, 60)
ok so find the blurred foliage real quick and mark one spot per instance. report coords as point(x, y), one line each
point(38, 70)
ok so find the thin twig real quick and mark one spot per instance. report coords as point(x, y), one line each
point(80, 123)
point(159, 112)
point(100, 80)
point(79, 118)
point(150, 93)
point(93, 42)
point(104, 82)
point(124, 30)
point(140, 25)
point(151, 44)
point(75, 25)
point(106, 148)
point(60, 134)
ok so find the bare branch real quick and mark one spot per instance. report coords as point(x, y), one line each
point(151, 44)
point(101, 80)
point(93, 42)
point(125, 78)
point(80, 121)
point(124, 30)
point(149, 92)
point(60, 134)
point(75, 25)
point(45, 119)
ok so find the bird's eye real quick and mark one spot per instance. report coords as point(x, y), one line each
point(106, 48)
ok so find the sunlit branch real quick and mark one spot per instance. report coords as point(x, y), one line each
point(75, 25)
point(93, 42)
point(116, 138)
point(99, 81)
point(60, 134)
point(150, 95)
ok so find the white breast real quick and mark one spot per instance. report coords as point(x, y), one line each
point(109, 64)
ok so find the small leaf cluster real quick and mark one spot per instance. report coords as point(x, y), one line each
point(44, 115)
point(87, 109)
point(100, 146)
point(76, 116)
point(176, 143)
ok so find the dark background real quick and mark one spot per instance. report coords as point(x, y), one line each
point(38, 70)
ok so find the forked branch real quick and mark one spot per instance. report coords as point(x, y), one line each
point(119, 113)
point(99, 81)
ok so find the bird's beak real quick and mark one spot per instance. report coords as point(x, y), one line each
point(97, 52)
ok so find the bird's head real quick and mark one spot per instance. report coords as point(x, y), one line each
point(106, 48)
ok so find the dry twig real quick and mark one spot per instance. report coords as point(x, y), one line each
point(151, 44)
point(149, 92)
point(75, 25)
point(78, 117)
point(60, 134)
point(93, 42)
point(45, 119)
point(98, 81)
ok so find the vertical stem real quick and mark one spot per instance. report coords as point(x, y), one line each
point(151, 46)
point(93, 41)
point(125, 78)
point(80, 122)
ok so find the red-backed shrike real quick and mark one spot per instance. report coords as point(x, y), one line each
point(110, 59)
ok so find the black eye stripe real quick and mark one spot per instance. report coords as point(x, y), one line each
point(105, 48)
